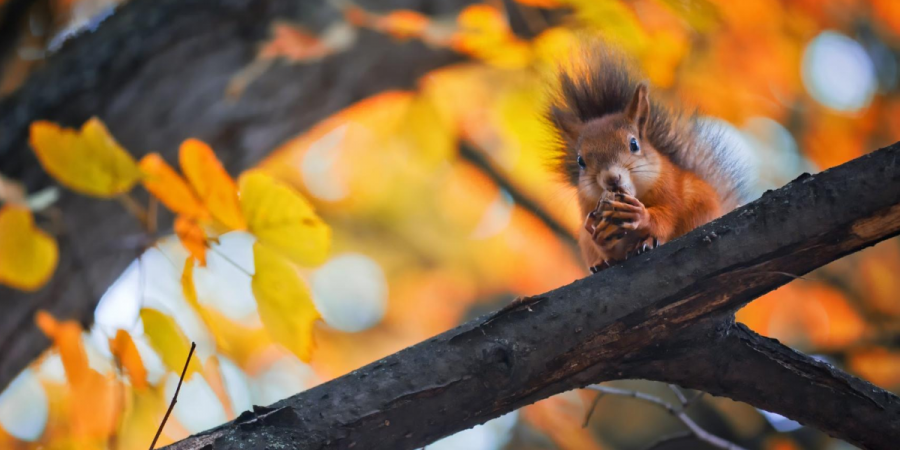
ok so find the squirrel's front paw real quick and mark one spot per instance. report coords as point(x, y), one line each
point(605, 234)
point(627, 212)
point(643, 246)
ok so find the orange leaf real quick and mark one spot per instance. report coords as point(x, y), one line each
point(560, 417)
point(94, 405)
point(67, 338)
point(294, 44)
point(28, 255)
point(212, 373)
point(878, 365)
point(541, 3)
point(214, 187)
point(124, 350)
point(403, 24)
point(192, 237)
point(165, 184)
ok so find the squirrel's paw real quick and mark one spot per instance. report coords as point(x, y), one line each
point(607, 236)
point(627, 212)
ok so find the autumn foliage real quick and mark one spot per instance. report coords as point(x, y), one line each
point(373, 229)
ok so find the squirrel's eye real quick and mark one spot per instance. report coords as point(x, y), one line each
point(634, 146)
point(581, 162)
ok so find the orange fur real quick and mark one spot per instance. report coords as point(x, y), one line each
point(645, 173)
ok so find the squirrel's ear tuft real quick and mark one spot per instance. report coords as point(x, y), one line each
point(568, 124)
point(638, 110)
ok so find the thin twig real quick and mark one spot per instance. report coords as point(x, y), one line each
point(152, 216)
point(174, 397)
point(679, 394)
point(590, 411)
point(678, 413)
point(693, 399)
point(229, 260)
point(135, 209)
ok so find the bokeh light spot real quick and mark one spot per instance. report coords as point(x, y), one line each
point(24, 408)
point(284, 378)
point(224, 283)
point(838, 72)
point(319, 166)
point(198, 408)
point(350, 291)
point(492, 435)
point(496, 217)
point(777, 153)
point(236, 385)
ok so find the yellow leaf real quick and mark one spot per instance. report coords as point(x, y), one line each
point(233, 339)
point(165, 184)
point(612, 19)
point(284, 303)
point(88, 161)
point(143, 413)
point(485, 34)
point(28, 255)
point(169, 341)
point(192, 237)
point(126, 353)
point(281, 218)
point(214, 187)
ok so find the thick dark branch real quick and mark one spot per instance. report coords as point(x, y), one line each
point(743, 365)
point(641, 319)
point(156, 72)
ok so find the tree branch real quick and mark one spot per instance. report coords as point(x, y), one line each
point(745, 366)
point(648, 318)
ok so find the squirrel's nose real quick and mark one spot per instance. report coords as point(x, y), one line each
point(612, 182)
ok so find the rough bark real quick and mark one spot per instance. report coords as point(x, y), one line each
point(667, 315)
point(156, 73)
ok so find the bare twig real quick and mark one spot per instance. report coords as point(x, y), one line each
point(679, 394)
point(698, 432)
point(174, 397)
point(590, 411)
point(135, 209)
point(687, 404)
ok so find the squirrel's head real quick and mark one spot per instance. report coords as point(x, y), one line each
point(611, 152)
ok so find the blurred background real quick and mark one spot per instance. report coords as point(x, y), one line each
point(443, 208)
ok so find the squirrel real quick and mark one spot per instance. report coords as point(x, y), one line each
point(645, 173)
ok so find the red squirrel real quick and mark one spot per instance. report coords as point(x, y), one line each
point(644, 173)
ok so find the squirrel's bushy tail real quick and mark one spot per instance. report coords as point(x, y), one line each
point(604, 82)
